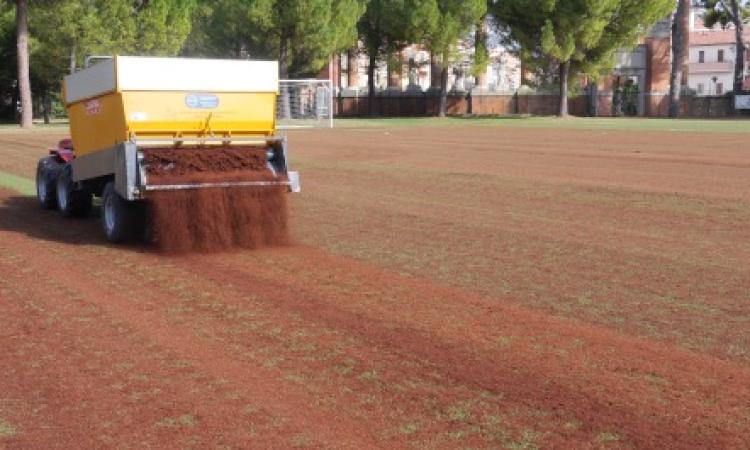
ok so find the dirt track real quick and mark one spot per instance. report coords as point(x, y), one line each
point(475, 287)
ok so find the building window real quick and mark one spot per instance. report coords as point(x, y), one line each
point(344, 61)
point(701, 56)
point(721, 56)
point(700, 88)
point(719, 88)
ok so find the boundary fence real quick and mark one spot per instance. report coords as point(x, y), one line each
point(351, 103)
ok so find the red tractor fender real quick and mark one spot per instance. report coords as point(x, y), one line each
point(64, 151)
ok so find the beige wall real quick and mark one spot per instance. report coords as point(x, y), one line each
point(704, 73)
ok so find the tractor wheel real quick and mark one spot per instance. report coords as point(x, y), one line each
point(72, 202)
point(46, 181)
point(120, 218)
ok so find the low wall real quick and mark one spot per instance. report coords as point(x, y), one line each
point(657, 105)
point(407, 104)
point(708, 107)
point(413, 104)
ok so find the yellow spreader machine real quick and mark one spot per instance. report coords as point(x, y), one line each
point(124, 107)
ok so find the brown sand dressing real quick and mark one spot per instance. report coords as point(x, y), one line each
point(214, 219)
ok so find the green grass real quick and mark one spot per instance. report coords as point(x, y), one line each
point(608, 437)
point(21, 185)
point(56, 124)
point(408, 428)
point(728, 125)
point(6, 429)
point(186, 420)
point(577, 123)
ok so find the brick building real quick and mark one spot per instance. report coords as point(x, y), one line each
point(639, 84)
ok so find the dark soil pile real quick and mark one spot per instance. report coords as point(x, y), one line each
point(214, 219)
point(205, 164)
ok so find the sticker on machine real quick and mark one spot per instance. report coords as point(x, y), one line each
point(93, 107)
point(202, 101)
point(139, 116)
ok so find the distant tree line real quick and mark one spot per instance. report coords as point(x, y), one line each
point(41, 40)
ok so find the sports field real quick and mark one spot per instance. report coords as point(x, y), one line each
point(495, 283)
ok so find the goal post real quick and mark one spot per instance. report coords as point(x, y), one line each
point(306, 103)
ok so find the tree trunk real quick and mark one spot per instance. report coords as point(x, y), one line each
point(22, 41)
point(73, 63)
point(739, 59)
point(286, 110)
point(36, 103)
point(283, 57)
point(14, 101)
point(352, 65)
point(593, 99)
point(434, 72)
point(678, 56)
point(46, 106)
point(524, 73)
point(564, 71)
point(443, 91)
point(395, 67)
point(480, 51)
point(334, 70)
point(371, 83)
point(685, 24)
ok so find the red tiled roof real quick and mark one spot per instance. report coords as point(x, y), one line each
point(714, 37)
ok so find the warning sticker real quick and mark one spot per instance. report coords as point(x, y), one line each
point(93, 107)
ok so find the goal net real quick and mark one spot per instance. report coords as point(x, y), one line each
point(304, 104)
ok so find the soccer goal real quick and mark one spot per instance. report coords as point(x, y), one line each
point(304, 104)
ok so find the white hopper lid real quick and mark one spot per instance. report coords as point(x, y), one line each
point(138, 73)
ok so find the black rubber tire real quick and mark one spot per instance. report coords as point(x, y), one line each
point(121, 219)
point(72, 202)
point(46, 182)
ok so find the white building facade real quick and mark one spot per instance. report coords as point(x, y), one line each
point(712, 55)
point(712, 63)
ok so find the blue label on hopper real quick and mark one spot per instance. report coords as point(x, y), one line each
point(201, 101)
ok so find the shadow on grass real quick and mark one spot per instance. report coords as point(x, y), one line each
point(23, 215)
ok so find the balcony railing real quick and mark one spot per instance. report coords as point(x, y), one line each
point(712, 67)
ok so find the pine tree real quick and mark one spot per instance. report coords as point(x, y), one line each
point(387, 26)
point(66, 31)
point(481, 52)
point(221, 29)
point(578, 36)
point(452, 19)
point(159, 27)
point(306, 32)
point(680, 40)
point(8, 70)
